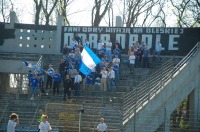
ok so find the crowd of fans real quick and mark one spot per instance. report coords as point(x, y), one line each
point(103, 77)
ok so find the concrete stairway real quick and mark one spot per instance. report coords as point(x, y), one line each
point(4, 100)
point(183, 80)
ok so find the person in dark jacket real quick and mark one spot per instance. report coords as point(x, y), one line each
point(67, 88)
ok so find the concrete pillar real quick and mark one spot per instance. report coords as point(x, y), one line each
point(58, 35)
point(118, 21)
point(4, 82)
point(13, 20)
point(194, 110)
point(166, 120)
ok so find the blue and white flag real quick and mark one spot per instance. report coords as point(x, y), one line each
point(88, 60)
point(29, 65)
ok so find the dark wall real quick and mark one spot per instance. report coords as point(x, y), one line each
point(178, 41)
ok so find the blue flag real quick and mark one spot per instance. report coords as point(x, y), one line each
point(88, 60)
point(30, 65)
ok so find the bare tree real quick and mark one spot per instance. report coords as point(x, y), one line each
point(135, 8)
point(48, 10)
point(186, 12)
point(62, 9)
point(38, 7)
point(97, 14)
point(198, 3)
point(5, 7)
point(159, 16)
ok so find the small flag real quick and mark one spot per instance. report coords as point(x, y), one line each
point(29, 65)
point(88, 60)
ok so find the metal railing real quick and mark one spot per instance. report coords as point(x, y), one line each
point(181, 120)
point(3, 116)
point(134, 100)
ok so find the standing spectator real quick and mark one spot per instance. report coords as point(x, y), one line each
point(77, 38)
point(56, 82)
point(116, 60)
point(30, 76)
point(72, 74)
point(116, 70)
point(65, 51)
point(146, 54)
point(40, 118)
point(136, 44)
point(62, 69)
point(132, 49)
point(108, 50)
point(117, 51)
point(143, 44)
point(50, 72)
point(102, 127)
point(13, 121)
point(67, 88)
point(34, 86)
point(132, 63)
point(111, 75)
point(88, 87)
point(40, 76)
point(87, 43)
point(119, 45)
point(103, 50)
point(74, 44)
point(44, 125)
point(138, 57)
point(104, 75)
point(72, 54)
point(99, 46)
point(77, 57)
point(77, 82)
point(158, 50)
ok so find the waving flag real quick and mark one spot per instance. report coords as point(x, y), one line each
point(29, 65)
point(88, 60)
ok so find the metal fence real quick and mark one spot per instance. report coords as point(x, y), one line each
point(150, 87)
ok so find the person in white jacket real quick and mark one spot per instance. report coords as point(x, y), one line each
point(44, 125)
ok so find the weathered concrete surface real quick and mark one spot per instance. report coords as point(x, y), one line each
point(151, 116)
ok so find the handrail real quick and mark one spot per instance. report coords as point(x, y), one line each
point(34, 116)
point(148, 88)
point(4, 111)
